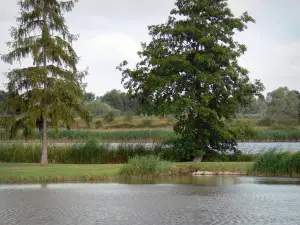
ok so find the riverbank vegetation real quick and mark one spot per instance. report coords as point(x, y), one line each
point(32, 173)
point(146, 166)
point(94, 153)
point(188, 90)
point(274, 163)
point(244, 133)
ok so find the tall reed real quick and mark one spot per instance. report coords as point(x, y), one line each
point(145, 166)
point(103, 135)
point(155, 135)
point(94, 153)
point(274, 163)
point(89, 153)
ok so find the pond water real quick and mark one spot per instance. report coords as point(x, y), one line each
point(258, 147)
point(202, 200)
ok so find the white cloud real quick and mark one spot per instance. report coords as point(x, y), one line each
point(106, 44)
point(111, 31)
point(102, 54)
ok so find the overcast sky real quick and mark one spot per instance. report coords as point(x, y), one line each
point(111, 31)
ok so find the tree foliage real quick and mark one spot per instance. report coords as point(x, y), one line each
point(89, 96)
point(257, 107)
point(51, 90)
point(119, 100)
point(99, 109)
point(190, 69)
point(283, 106)
point(3, 99)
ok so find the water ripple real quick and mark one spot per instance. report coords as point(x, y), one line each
point(114, 204)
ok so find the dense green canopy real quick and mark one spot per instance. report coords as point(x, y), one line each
point(190, 69)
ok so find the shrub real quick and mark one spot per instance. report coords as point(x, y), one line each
point(109, 117)
point(98, 124)
point(145, 166)
point(182, 149)
point(243, 130)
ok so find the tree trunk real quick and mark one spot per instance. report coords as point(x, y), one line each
point(199, 158)
point(44, 158)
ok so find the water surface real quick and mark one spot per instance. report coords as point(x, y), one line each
point(203, 200)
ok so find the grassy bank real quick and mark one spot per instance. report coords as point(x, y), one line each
point(30, 173)
point(10, 173)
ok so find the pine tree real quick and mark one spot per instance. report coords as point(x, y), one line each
point(51, 90)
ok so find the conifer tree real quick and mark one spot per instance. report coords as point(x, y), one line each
point(51, 90)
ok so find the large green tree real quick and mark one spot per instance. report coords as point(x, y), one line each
point(190, 69)
point(51, 90)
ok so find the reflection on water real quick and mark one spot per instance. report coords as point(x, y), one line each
point(182, 200)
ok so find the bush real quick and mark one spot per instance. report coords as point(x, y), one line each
point(182, 149)
point(98, 124)
point(144, 167)
point(109, 117)
point(243, 130)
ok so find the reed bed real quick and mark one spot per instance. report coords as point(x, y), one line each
point(90, 153)
point(278, 135)
point(145, 166)
point(94, 153)
point(147, 135)
point(276, 163)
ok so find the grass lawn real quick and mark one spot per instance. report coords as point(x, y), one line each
point(19, 173)
point(36, 173)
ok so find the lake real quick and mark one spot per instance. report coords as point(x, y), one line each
point(185, 200)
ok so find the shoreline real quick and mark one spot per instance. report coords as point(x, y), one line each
point(60, 173)
point(75, 173)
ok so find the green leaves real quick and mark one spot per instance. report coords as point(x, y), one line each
point(190, 69)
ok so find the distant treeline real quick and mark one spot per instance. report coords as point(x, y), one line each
point(281, 106)
point(112, 101)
